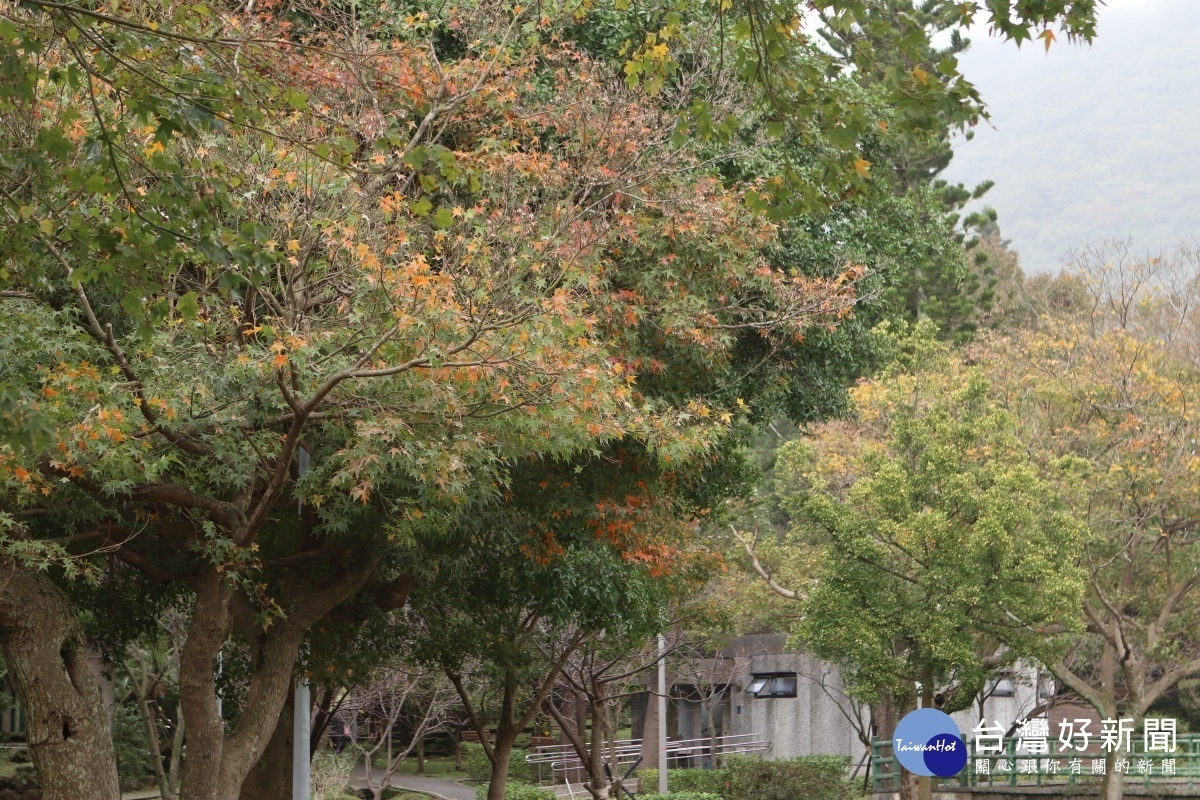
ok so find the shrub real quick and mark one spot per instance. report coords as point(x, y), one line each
point(518, 790)
point(475, 762)
point(809, 778)
point(331, 774)
point(680, 796)
point(686, 781)
point(519, 769)
point(479, 768)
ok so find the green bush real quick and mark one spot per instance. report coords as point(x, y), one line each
point(475, 762)
point(519, 769)
point(810, 778)
point(519, 790)
point(679, 796)
point(479, 768)
point(686, 781)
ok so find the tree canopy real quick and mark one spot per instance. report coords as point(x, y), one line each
point(289, 287)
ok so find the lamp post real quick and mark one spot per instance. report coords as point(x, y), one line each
point(301, 731)
point(662, 714)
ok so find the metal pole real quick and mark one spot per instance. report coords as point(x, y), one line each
point(301, 730)
point(301, 777)
point(662, 714)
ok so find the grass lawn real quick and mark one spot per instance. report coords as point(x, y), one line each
point(7, 767)
point(435, 766)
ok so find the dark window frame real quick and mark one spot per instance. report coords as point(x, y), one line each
point(773, 685)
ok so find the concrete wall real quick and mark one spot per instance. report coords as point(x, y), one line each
point(1007, 710)
point(813, 722)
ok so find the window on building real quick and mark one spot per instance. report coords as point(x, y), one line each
point(780, 684)
point(1004, 688)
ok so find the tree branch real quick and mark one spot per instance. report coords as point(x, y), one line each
point(761, 570)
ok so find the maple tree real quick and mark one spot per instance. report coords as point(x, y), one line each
point(290, 257)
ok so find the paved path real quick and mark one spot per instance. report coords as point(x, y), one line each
point(438, 787)
point(442, 788)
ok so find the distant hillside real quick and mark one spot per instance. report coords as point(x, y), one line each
point(1092, 143)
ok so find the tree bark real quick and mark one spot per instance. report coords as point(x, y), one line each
point(598, 783)
point(501, 755)
point(66, 721)
point(924, 782)
point(198, 689)
point(218, 764)
point(271, 777)
point(1114, 782)
point(502, 745)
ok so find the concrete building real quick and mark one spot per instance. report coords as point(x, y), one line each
point(794, 702)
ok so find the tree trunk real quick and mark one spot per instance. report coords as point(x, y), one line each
point(421, 753)
point(173, 773)
point(1114, 782)
point(887, 716)
point(66, 720)
point(198, 690)
point(597, 779)
point(501, 755)
point(217, 764)
point(924, 782)
point(271, 777)
point(150, 722)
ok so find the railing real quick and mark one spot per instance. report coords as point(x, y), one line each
point(1013, 767)
point(562, 758)
point(686, 749)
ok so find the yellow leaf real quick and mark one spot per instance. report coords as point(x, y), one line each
point(920, 74)
point(863, 168)
point(279, 361)
point(1048, 37)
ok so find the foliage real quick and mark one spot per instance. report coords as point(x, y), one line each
point(687, 781)
point(1108, 381)
point(134, 766)
point(680, 795)
point(475, 762)
point(517, 790)
point(808, 778)
point(928, 529)
point(479, 768)
point(395, 270)
point(331, 774)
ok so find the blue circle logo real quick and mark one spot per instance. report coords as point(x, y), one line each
point(927, 742)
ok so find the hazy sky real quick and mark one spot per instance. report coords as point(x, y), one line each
point(1087, 143)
